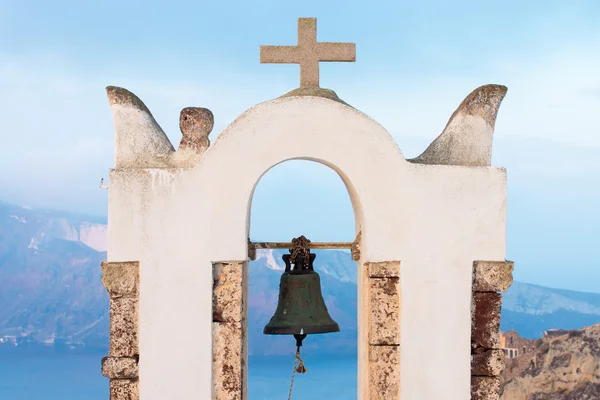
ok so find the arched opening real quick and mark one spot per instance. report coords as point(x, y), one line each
point(295, 198)
point(274, 133)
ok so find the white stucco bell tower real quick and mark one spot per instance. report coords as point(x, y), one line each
point(430, 248)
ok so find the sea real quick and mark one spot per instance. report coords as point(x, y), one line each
point(43, 375)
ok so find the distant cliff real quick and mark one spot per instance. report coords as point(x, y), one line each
point(532, 309)
point(50, 276)
point(50, 288)
point(566, 367)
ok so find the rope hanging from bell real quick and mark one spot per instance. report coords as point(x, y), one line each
point(299, 366)
point(301, 369)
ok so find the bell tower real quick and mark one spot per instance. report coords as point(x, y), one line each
point(430, 243)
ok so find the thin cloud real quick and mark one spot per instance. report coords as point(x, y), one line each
point(592, 91)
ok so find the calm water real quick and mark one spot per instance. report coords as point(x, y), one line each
point(28, 375)
point(35, 376)
point(332, 378)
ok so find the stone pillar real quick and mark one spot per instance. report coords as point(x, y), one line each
point(121, 280)
point(487, 360)
point(384, 330)
point(229, 337)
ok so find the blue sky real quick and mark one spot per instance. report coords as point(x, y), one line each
point(415, 63)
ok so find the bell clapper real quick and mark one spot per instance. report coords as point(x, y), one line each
point(299, 339)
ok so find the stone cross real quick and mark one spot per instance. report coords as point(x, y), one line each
point(308, 52)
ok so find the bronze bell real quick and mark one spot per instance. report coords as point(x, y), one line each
point(301, 309)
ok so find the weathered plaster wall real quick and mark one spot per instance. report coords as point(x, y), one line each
point(435, 219)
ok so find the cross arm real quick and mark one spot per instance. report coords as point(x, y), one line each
point(335, 51)
point(280, 55)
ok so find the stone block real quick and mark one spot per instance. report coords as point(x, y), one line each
point(384, 372)
point(492, 276)
point(385, 269)
point(229, 283)
point(487, 362)
point(384, 313)
point(485, 322)
point(229, 360)
point(124, 327)
point(485, 388)
point(120, 367)
point(121, 279)
point(124, 389)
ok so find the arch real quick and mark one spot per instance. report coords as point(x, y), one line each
point(319, 130)
point(354, 199)
point(285, 345)
point(322, 170)
point(301, 128)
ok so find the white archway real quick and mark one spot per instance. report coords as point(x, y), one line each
point(186, 225)
point(318, 130)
